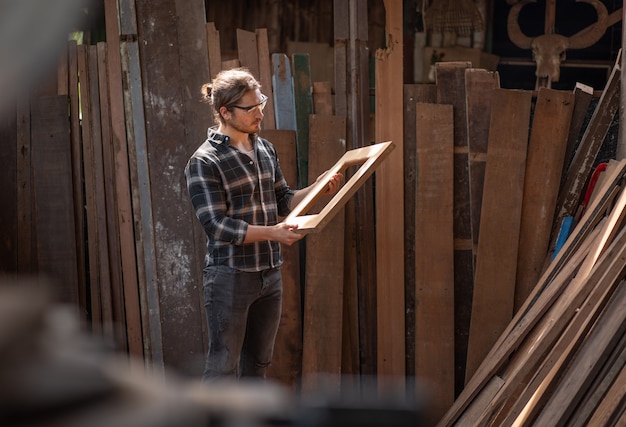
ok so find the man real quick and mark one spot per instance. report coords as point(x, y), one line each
point(238, 192)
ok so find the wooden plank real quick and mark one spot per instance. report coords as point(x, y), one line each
point(434, 256)
point(52, 190)
point(390, 286)
point(282, 83)
point(479, 91)
point(110, 227)
point(496, 257)
point(214, 50)
point(91, 235)
point(582, 163)
point(303, 100)
point(612, 404)
point(21, 158)
point(99, 205)
point(287, 359)
point(546, 153)
point(583, 95)
point(322, 98)
point(265, 73)
point(323, 293)
point(247, 51)
point(77, 176)
point(125, 223)
point(425, 93)
point(160, 33)
point(12, 199)
point(450, 84)
point(142, 205)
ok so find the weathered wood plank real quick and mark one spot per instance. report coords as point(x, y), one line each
point(128, 256)
point(583, 95)
point(496, 257)
point(214, 50)
point(26, 257)
point(12, 198)
point(159, 34)
point(247, 51)
point(434, 256)
point(390, 286)
point(323, 292)
point(450, 83)
point(545, 157)
point(282, 82)
point(303, 100)
point(425, 93)
point(52, 190)
point(322, 98)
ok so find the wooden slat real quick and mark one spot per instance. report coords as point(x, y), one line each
point(110, 203)
point(265, 75)
point(496, 257)
point(546, 153)
point(303, 100)
point(26, 259)
point(91, 233)
point(583, 95)
point(450, 84)
point(160, 31)
point(282, 83)
point(390, 206)
point(52, 190)
point(611, 406)
point(99, 232)
point(425, 93)
point(125, 223)
point(434, 256)
point(11, 198)
point(287, 360)
point(77, 175)
point(247, 51)
point(323, 296)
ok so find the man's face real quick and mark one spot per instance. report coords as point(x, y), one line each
point(247, 114)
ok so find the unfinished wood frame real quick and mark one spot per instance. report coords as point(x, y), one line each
point(367, 157)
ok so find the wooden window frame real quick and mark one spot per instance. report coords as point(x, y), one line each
point(367, 157)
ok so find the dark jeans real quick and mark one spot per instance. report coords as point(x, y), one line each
point(243, 312)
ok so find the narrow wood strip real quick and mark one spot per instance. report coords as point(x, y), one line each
point(496, 258)
point(434, 253)
point(247, 51)
point(214, 50)
point(25, 262)
point(265, 73)
point(303, 100)
point(282, 81)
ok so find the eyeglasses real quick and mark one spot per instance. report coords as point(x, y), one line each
point(252, 108)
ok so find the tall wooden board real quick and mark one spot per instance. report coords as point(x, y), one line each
point(434, 255)
point(413, 94)
point(52, 189)
point(496, 257)
point(450, 83)
point(265, 76)
point(11, 196)
point(282, 83)
point(303, 100)
point(287, 360)
point(390, 206)
point(323, 291)
point(546, 154)
point(159, 34)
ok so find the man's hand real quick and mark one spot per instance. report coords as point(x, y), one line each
point(286, 233)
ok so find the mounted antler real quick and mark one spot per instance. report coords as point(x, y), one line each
point(549, 49)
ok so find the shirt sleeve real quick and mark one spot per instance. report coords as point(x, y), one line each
point(208, 198)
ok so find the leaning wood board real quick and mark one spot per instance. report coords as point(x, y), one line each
point(287, 360)
point(323, 290)
point(303, 101)
point(546, 154)
point(53, 196)
point(390, 206)
point(14, 157)
point(496, 257)
point(282, 83)
point(450, 84)
point(265, 75)
point(434, 256)
point(159, 35)
point(247, 51)
point(132, 315)
point(424, 93)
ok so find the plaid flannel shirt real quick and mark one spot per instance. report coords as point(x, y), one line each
point(229, 191)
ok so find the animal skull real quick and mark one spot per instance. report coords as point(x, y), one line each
point(549, 49)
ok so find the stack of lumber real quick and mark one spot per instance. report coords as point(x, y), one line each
point(497, 173)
